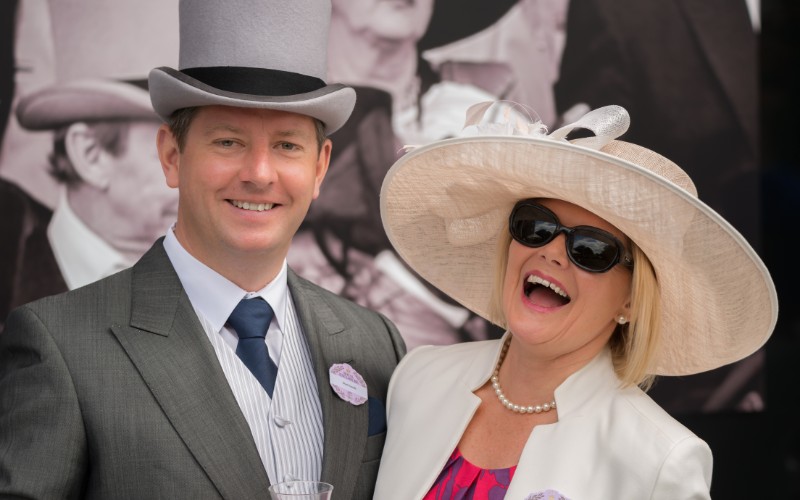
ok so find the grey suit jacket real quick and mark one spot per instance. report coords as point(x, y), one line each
point(114, 391)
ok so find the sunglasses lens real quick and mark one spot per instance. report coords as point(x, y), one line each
point(593, 251)
point(590, 248)
point(532, 226)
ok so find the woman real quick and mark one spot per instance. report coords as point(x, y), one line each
point(607, 272)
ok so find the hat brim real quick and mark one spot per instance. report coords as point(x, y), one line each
point(444, 206)
point(88, 100)
point(171, 90)
point(473, 17)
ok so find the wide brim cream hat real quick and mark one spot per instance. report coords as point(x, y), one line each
point(269, 54)
point(444, 206)
point(102, 54)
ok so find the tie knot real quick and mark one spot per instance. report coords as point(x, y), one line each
point(251, 318)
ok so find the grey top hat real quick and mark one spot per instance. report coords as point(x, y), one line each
point(269, 54)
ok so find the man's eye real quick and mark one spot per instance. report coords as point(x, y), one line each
point(226, 143)
point(288, 146)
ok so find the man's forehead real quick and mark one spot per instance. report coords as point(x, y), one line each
point(238, 117)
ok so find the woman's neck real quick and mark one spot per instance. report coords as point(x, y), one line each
point(531, 376)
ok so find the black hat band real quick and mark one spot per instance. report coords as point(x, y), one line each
point(255, 81)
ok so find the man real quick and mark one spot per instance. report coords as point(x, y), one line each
point(113, 203)
point(159, 381)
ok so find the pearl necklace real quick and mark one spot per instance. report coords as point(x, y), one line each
point(502, 397)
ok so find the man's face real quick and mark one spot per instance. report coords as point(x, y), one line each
point(136, 206)
point(246, 179)
point(388, 19)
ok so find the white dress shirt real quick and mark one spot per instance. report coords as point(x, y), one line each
point(287, 429)
point(82, 256)
point(754, 11)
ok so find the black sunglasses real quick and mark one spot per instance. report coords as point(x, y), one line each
point(589, 248)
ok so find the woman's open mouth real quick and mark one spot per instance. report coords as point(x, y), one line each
point(543, 293)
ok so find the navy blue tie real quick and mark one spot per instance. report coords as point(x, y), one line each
point(251, 319)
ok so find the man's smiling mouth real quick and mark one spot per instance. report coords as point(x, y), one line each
point(249, 205)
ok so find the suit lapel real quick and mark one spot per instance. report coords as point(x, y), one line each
point(726, 38)
point(171, 351)
point(345, 425)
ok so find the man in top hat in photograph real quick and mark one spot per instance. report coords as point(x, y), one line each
point(210, 369)
point(113, 202)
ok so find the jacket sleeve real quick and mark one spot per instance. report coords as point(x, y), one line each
point(686, 472)
point(43, 452)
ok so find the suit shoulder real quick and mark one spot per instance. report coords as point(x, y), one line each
point(337, 301)
point(17, 201)
point(364, 320)
point(95, 295)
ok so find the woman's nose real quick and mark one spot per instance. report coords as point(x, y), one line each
point(555, 251)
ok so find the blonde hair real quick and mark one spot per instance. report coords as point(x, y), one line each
point(496, 314)
point(634, 344)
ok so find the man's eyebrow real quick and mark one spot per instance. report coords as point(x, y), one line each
point(293, 133)
point(288, 133)
point(221, 128)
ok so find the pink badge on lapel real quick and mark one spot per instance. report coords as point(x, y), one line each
point(348, 384)
point(546, 495)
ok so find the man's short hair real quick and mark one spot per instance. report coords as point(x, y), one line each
point(180, 121)
point(112, 136)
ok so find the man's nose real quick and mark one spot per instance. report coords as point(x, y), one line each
point(259, 166)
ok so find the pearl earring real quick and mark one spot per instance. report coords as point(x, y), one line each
point(621, 319)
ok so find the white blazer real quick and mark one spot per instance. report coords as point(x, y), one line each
point(608, 443)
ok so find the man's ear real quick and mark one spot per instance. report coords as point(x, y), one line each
point(323, 160)
point(169, 154)
point(90, 160)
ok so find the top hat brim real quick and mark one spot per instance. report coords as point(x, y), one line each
point(171, 90)
point(87, 100)
point(473, 16)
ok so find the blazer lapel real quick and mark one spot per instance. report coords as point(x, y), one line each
point(726, 38)
point(417, 451)
point(345, 425)
point(435, 446)
point(171, 351)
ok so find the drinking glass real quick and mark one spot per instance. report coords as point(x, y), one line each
point(301, 490)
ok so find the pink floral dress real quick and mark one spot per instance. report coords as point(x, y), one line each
point(461, 480)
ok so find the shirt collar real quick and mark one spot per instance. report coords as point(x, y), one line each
point(215, 296)
point(83, 257)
